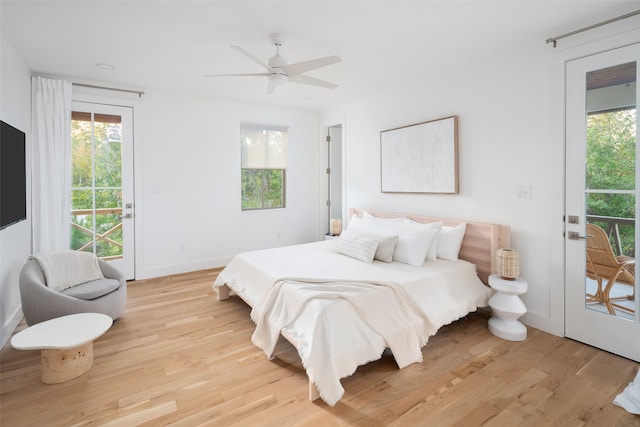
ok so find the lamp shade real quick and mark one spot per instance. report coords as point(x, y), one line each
point(508, 263)
point(335, 226)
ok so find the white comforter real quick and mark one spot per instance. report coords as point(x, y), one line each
point(331, 336)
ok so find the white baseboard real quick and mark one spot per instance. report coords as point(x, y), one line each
point(540, 321)
point(10, 326)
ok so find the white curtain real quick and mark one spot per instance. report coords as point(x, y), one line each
point(51, 176)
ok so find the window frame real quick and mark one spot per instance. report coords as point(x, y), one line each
point(263, 167)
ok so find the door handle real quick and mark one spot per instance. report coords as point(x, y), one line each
point(574, 235)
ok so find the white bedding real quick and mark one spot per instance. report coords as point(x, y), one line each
point(331, 337)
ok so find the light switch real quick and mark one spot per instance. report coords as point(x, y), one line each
point(523, 192)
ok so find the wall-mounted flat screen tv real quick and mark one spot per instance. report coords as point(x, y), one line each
point(13, 176)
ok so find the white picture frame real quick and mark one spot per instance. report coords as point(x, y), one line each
point(420, 158)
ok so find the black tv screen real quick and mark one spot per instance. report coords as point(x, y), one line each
point(13, 177)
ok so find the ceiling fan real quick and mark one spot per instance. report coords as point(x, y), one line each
point(279, 72)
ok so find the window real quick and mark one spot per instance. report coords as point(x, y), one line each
point(264, 165)
point(96, 189)
point(611, 176)
point(610, 167)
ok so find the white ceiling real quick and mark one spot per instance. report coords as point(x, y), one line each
point(170, 45)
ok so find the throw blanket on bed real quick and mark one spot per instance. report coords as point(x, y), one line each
point(629, 399)
point(64, 269)
point(385, 307)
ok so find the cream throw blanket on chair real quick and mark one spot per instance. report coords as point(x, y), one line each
point(385, 307)
point(64, 269)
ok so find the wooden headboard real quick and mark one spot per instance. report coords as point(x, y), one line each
point(479, 245)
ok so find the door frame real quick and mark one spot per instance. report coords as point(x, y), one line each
point(324, 130)
point(135, 102)
point(570, 49)
point(583, 323)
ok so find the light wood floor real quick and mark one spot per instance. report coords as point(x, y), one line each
point(180, 357)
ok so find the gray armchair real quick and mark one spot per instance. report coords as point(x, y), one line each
point(39, 303)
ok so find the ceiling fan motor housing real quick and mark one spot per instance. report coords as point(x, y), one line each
point(277, 61)
point(278, 79)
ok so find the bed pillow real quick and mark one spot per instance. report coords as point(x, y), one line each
point(413, 246)
point(408, 249)
point(359, 224)
point(433, 248)
point(386, 244)
point(432, 255)
point(367, 215)
point(357, 246)
point(370, 226)
point(450, 241)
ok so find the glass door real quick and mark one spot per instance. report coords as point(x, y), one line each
point(102, 183)
point(601, 236)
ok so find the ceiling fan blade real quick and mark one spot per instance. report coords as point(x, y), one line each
point(303, 67)
point(306, 80)
point(248, 54)
point(236, 75)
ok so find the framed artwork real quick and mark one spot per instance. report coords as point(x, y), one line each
point(420, 158)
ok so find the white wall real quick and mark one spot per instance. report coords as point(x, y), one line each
point(510, 134)
point(15, 240)
point(503, 142)
point(188, 183)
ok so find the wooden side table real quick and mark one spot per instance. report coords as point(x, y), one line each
point(507, 308)
point(65, 344)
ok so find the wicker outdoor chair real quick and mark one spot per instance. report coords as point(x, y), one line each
point(603, 265)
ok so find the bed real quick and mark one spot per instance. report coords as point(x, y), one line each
point(389, 281)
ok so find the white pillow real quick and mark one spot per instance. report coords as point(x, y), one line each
point(413, 246)
point(432, 255)
point(357, 246)
point(356, 223)
point(433, 248)
point(450, 241)
point(408, 249)
point(367, 215)
point(386, 244)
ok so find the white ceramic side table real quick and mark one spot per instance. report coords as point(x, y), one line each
point(507, 308)
point(65, 344)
